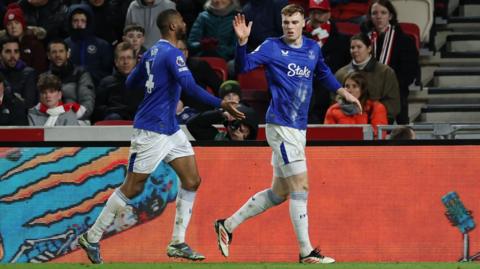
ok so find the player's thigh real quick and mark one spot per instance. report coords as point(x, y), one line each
point(182, 159)
point(185, 167)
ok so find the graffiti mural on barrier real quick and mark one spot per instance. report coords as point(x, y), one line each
point(49, 196)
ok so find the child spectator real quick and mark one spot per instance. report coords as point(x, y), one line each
point(144, 13)
point(51, 111)
point(135, 35)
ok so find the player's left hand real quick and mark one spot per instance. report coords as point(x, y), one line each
point(350, 98)
point(231, 108)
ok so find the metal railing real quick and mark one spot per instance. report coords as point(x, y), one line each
point(438, 130)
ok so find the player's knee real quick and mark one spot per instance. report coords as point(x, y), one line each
point(276, 199)
point(192, 183)
point(132, 190)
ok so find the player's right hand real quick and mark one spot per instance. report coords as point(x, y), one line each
point(242, 30)
point(231, 108)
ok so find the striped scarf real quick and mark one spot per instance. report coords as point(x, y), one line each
point(387, 45)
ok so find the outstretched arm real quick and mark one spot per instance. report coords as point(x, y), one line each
point(242, 30)
point(192, 89)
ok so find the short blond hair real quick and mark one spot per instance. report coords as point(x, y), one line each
point(291, 9)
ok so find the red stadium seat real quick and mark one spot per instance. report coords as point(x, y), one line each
point(255, 90)
point(412, 30)
point(253, 80)
point(348, 28)
point(219, 65)
point(113, 122)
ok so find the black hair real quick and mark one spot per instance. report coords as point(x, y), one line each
point(57, 41)
point(388, 5)
point(164, 19)
point(8, 39)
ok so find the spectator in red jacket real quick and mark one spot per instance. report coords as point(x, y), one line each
point(342, 112)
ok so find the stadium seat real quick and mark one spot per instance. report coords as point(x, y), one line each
point(255, 90)
point(253, 80)
point(348, 28)
point(419, 12)
point(219, 65)
point(349, 11)
point(113, 122)
point(412, 30)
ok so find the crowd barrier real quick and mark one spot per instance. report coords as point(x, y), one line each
point(123, 133)
point(428, 131)
point(369, 203)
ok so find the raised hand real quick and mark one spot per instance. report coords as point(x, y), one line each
point(242, 30)
point(230, 107)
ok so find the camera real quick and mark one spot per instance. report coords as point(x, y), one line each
point(234, 125)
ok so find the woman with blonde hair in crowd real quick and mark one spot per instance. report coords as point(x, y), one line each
point(343, 112)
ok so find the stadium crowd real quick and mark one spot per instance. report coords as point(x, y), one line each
point(91, 46)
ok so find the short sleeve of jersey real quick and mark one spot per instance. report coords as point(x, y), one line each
point(176, 64)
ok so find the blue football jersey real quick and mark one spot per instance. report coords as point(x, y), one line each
point(289, 73)
point(161, 70)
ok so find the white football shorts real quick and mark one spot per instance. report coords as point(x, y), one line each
point(149, 148)
point(288, 149)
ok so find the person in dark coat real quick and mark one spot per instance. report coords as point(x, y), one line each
point(48, 14)
point(268, 22)
point(87, 50)
point(77, 84)
point(113, 101)
point(106, 15)
point(21, 78)
point(391, 46)
point(201, 126)
point(12, 110)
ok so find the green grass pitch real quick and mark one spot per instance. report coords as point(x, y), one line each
point(244, 266)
